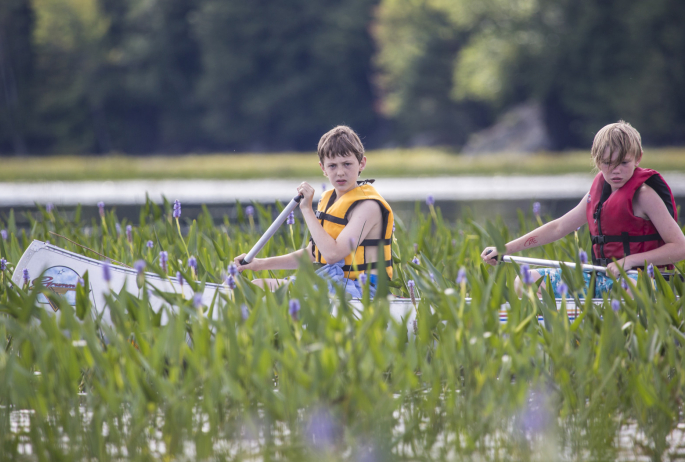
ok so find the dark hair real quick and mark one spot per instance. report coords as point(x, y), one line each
point(340, 141)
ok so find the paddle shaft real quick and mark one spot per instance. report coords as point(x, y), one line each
point(555, 264)
point(272, 230)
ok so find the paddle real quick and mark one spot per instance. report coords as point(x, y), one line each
point(272, 230)
point(553, 263)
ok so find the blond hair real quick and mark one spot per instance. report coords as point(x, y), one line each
point(619, 136)
point(340, 141)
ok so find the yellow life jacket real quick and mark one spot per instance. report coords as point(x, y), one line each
point(333, 216)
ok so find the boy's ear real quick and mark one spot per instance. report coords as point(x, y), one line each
point(322, 169)
point(362, 165)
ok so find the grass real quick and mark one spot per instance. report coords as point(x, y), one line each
point(382, 163)
point(260, 384)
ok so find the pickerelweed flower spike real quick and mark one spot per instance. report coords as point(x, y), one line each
point(244, 312)
point(101, 209)
point(526, 277)
point(291, 219)
point(230, 282)
point(536, 209)
point(106, 271)
point(624, 284)
point(192, 263)
point(117, 226)
point(3, 264)
point(232, 269)
point(177, 209)
point(323, 187)
point(179, 278)
point(430, 275)
point(3, 234)
point(249, 211)
point(294, 308)
point(164, 260)
point(353, 244)
point(49, 207)
point(197, 300)
point(582, 256)
point(129, 233)
point(26, 275)
point(150, 244)
point(412, 293)
point(615, 305)
point(461, 275)
point(81, 282)
point(562, 289)
point(139, 266)
point(650, 270)
point(362, 279)
point(415, 260)
point(430, 200)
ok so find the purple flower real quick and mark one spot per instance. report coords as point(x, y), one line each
point(412, 293)
point(430, 200)
point(81, 282)
point(164, 260)
point(3, 264)
point(150, 244)
point(232, 269)
point(410, 284)
point(650, 270)
point(197, 300)
point(230, 282)
point(179, 278)
point(291, 219)
point(249, 211)
point(615, 305)
point(393, 227)
point(192, 262)
point(582, 256)
point(624, 284)
point(432, 277)
point(129, 233)
point(49, 206)
point(526, 277)
point(537, 416)
point(177, 209)
point(415, 260)
point(322, 429)
point(3, 233)
point(26, 275)
point(362, 279)
point(101, 209)
point(353, 244)
point(536, 209)
point(117, 226)
point(562, 289)
point(139, 266)
point(106, 271)
point(244, 312)
point(294, 308)
point(323, 187)
point(461, 275)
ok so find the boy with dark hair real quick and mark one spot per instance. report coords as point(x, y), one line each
point(630, 211)
point(351, 222)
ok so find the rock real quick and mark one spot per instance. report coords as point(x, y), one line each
point(521, 129)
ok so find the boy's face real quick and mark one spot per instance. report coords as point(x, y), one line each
point(617, 174)
point(342, 171)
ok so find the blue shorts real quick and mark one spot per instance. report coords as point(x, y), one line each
point(603, 283)
point(334, 274)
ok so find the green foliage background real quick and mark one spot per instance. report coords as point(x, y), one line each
point(263, 384)
point(151, 76)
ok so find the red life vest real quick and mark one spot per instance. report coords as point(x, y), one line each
point(614, 230)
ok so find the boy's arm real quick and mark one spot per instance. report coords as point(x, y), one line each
point(281, 262)
point(363, 219)
point(650, 204)
point(549, 232)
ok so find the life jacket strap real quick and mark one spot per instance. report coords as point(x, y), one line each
point(603, 238)
point(368, 266)
point(374, 242)
point(325, 216)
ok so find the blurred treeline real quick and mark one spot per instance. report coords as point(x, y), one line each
point(168, 76)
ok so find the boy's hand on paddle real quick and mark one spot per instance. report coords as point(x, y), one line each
point(613, 267)
point(488, 255)
point(307, 192)
point(252, 266)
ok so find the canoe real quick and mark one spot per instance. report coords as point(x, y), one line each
point(61, 270)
